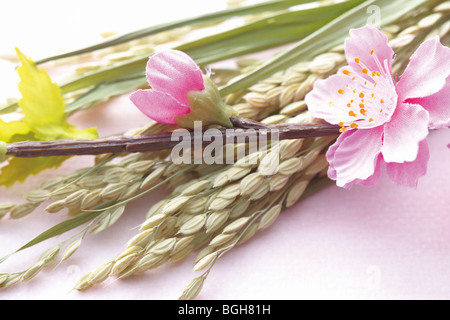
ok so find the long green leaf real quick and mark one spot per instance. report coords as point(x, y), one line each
point(260, 35)
point(294, 25)
point(57, 230)
point(61, 228)
point(105, 91)
point(297, 18)
point(202, 19)
point(200, 49)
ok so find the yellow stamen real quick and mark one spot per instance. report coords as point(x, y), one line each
point(376, 73)
point(352, 113)
point(341, 91)
point(354, 126)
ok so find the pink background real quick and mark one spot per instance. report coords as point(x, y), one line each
point(384, 242)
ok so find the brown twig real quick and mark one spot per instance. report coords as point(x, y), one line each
point(247, 129)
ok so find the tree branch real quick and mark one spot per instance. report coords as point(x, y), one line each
point(243, 129)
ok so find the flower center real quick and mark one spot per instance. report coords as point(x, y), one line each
point(370, 95)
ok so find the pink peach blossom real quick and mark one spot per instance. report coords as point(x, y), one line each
point(172, 74)
point(384, 122)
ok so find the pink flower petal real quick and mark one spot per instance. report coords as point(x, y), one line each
point(158, 106)
point(427, 71)
point(402, 135)
point(325, 101)
point(373, 179)
point(347, 100)
point(408, 173)
point(175, 73)
point(370, 47)
point(332, 174)
point(438, 106)
point(355, 156)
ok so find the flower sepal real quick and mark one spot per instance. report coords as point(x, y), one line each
point(206, 106)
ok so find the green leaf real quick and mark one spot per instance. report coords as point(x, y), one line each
point(105, 91)
point(276, 30)
point(18, 169)
point(114, 77)
point(9, 131)
point(324, 39)
point(288, 27)
point(57, 230)
point(61, 228)
point(217, 16)
point(277, 24)
point(41, 101)
point(44, 106)
point(45, 119)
